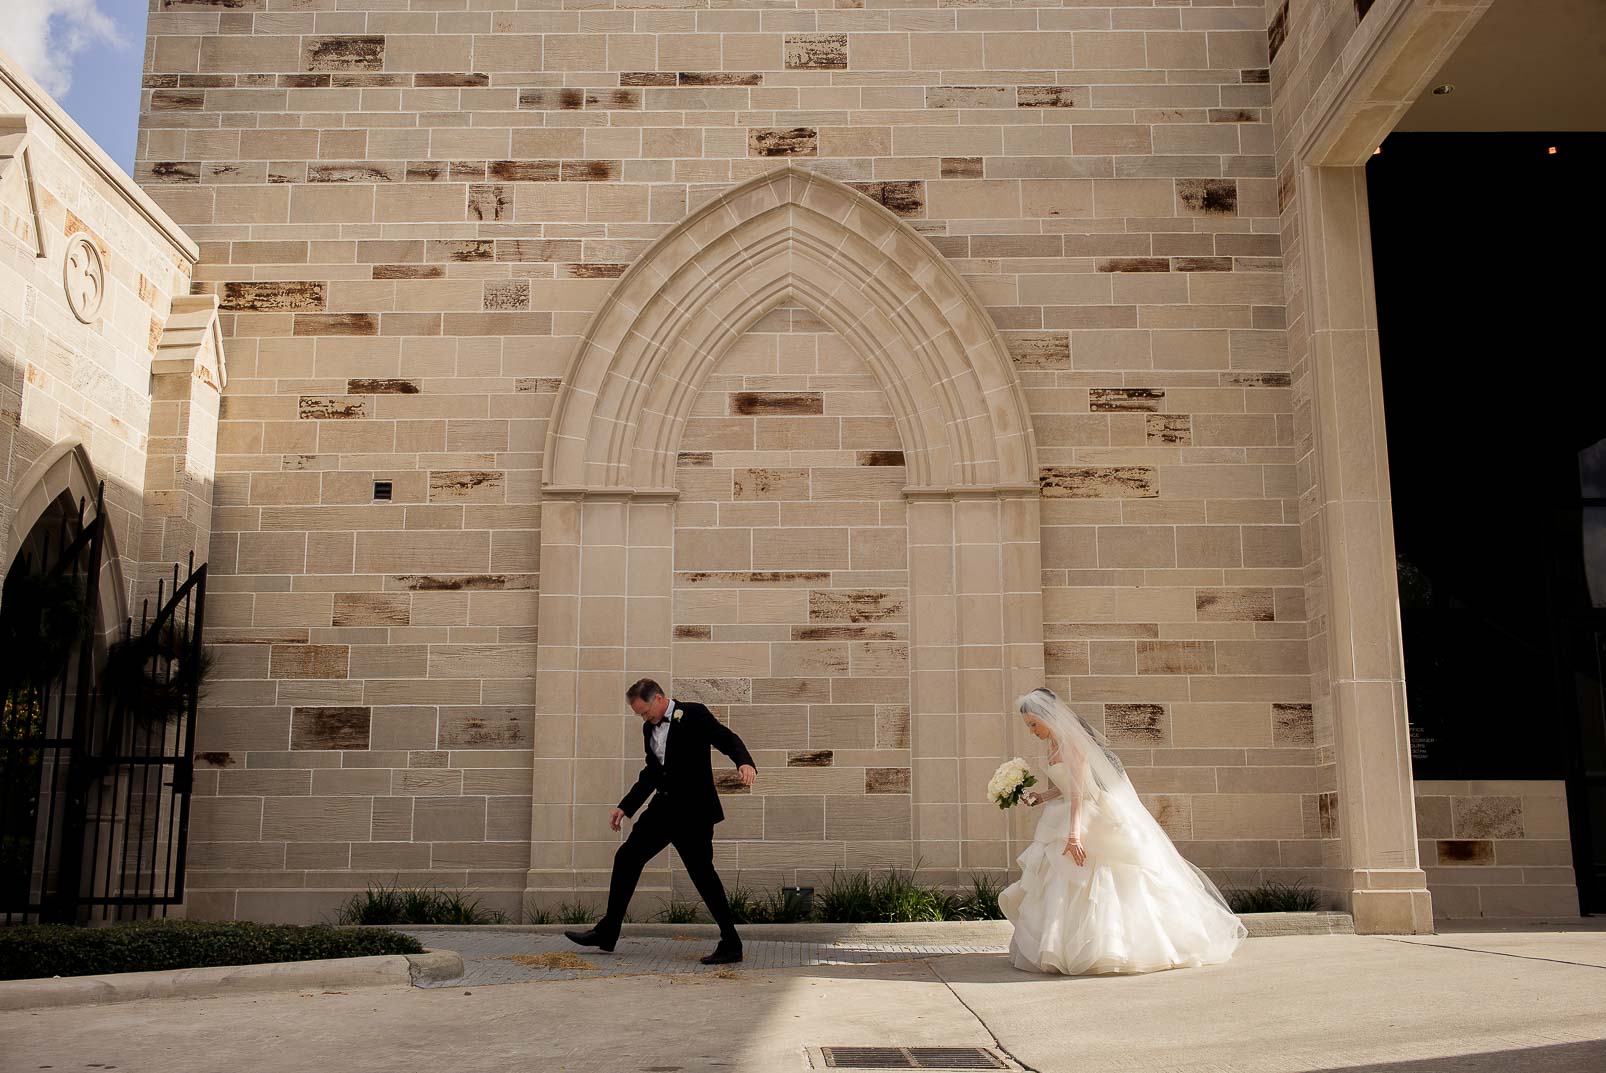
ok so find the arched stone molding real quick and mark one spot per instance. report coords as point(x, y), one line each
point(64, 473)
point(608, 505)
point(790, 237)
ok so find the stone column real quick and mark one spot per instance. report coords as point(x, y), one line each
point(1361, 665)
point(187, 378)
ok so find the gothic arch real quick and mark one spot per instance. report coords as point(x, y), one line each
point(790, 237)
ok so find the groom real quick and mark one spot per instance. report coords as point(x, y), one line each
point(683, 812)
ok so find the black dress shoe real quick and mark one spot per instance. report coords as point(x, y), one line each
point(595, 938)
point(723, 955)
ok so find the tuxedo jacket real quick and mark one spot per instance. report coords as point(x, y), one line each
point(685, 781)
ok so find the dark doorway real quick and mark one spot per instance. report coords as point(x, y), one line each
point(1487, 252)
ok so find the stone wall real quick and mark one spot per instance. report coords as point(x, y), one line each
point(1497, 848)
point(78, 369)
point(410, 215)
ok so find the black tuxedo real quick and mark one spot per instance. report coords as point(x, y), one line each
point(684, 809)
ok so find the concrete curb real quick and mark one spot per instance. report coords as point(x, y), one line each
point(379, 970)
point(948, 933)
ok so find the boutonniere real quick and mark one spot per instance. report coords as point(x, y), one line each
point(676, 717)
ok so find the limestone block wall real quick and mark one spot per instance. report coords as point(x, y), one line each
point(78, 373)
point(1497, 848)
point(410, 215)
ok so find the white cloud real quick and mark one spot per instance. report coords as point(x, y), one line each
point(45, 36)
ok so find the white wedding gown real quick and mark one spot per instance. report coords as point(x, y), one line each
point(1137, 905)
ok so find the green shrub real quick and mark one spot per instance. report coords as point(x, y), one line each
point(532, 915)
point(576, 913)
point(1273, 897)
point(982, 901)
point(848, 898)
point(679, 913)
point(380, 904)
point(34, 950)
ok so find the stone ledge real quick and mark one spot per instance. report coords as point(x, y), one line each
point(379, 970)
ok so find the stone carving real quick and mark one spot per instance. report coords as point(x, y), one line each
point(84, 276)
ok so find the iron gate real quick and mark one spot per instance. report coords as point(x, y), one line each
point(96, 739)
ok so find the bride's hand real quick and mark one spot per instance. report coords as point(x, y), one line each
point(1032, 799)
point(1075, 851)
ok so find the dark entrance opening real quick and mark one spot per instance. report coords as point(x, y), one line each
point(1487, 253)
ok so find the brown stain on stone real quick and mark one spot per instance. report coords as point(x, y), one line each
point(906, 198)
point(1234, 605)
point(173, 100)
point(447, 79)
point(1168, 429)
point(1099, 482)
point(553, 100)
point(729, 782)
point(408, 272)
point(343, 53)
point(348, 173)
point(886, 780)
point(462, 250)
point(523, 171)
point(694, 459)
point(788, 578)
point(382, 387)
point(879, 458)
point(1135, 724)
point(217, 759)
point(504, 294)
point(1049, 96)
point(623, 99)
point(490, 202)
point(811, 758)
point(851, 605)
point(1255, 75)
point(1277, 31)
point(329, 728)
point(970, 97)
point(960, 167)
point(720, 78)
point(777, 403)
point(1201, 264)
point(273, 296)
point(459, 582)
point(647, 78)
point(1257, 379)
point(845, 633)
point(1125, 399)
point(174, 171)
point(1233, 115)
point(538, 385)
point(816, 52)
point(783, 141)
point(590, 171)
point(694, 633)
point(1039, 350)
point(1292, 725)
point(451, 483)
point(336, 324)
point(1134, 264)
point(584, 270)
point(426, 171)
point(1209, 197)
point(331, 407)
point(1465, 851)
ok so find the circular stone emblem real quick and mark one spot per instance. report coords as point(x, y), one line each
point(85, 278)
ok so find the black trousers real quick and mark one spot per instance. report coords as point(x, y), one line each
point(695, 844)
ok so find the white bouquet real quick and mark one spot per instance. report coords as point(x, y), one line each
point(1010, 782)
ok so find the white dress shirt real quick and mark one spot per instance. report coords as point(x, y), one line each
point(660, 733)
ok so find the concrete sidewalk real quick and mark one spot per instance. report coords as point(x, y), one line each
point(1466, 1002)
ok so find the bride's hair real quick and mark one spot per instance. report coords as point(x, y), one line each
point(1067, 726)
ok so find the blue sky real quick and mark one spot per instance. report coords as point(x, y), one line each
point(88, 54)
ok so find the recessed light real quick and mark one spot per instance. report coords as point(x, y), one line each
point(1443, 91)
point(1376, 151)
point(1552, 150)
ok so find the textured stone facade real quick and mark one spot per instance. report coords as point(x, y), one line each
point(1003, 396)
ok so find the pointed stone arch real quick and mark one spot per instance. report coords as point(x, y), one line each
point(790, 237)
point(607, 562)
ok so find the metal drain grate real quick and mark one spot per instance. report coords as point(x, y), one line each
point(911, 1058)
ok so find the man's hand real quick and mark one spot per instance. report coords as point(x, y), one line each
point(748, 774)
point(617, 819)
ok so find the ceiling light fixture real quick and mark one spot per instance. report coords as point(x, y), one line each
point(1552, 150)
point(1376, 151)
point(1443, 91)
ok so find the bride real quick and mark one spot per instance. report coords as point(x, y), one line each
point(1102, 889)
